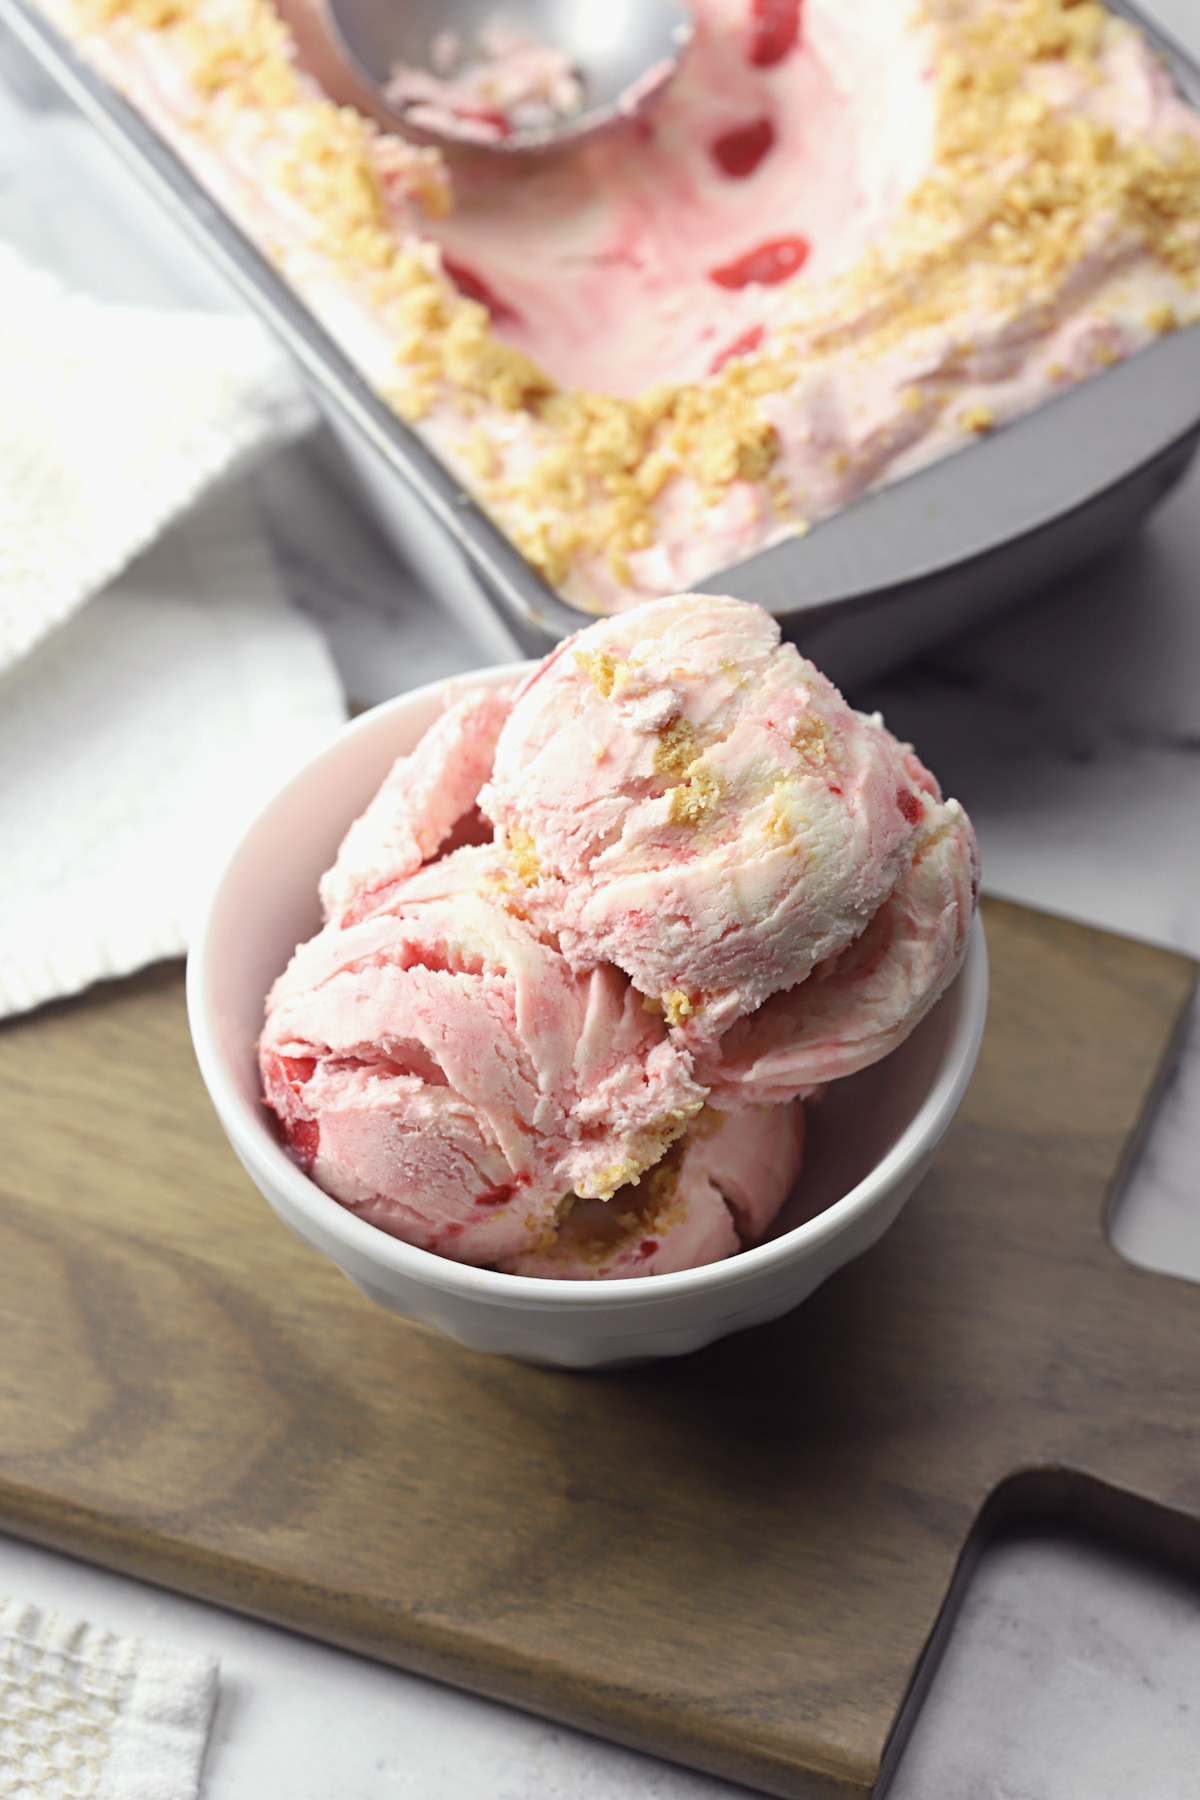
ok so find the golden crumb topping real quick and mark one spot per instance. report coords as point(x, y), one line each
point(522, 856)
point(812, 739)
point(601, 668)
point(696, 796)
point(1162, 318)
point(978, 419)
point(677, 749)
point(676, 1006)
point(1023, 188)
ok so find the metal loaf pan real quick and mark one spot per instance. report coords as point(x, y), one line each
point(892, 574)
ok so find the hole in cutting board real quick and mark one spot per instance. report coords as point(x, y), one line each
point(1067, 1660)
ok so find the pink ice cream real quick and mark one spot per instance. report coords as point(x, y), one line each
point(425, 796)
point(697, 804)
point(635, 263)
point(856, 1007)
point(730, 1175)
point(443, 1071)
point(579, 1051)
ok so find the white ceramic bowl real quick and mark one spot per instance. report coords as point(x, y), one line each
point(869, 1142)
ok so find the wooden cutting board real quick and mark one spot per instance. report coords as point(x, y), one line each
point(740, 1560)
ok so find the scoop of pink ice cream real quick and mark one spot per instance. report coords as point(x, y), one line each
point(860, 1005)
point(721, 1187)
point(423, 797)
point(686, 797)
point(441, 1070)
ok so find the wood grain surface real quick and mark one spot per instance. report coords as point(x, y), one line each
point(737, 1560)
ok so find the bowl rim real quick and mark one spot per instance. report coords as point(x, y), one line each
point(254, 1141)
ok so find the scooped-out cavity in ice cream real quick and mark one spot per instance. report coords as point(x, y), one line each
point(599, 936)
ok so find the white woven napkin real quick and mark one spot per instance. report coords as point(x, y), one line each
point(85, 1715)
point(137, 740)
point(113, 419)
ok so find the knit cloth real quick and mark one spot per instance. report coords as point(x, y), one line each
point(86, 1715)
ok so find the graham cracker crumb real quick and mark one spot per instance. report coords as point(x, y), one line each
point(977, 419)
point(676, 1006)
point(601, 668)
point(696, 797)
point(676, 750)
point(522, 856)
point(812, 739)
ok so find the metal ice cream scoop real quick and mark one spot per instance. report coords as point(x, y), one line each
point(511, 75)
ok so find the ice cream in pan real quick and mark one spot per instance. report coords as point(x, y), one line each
point(598, 937)
point(847, 240)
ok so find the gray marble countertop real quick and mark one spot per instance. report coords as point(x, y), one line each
point(1071, 730)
